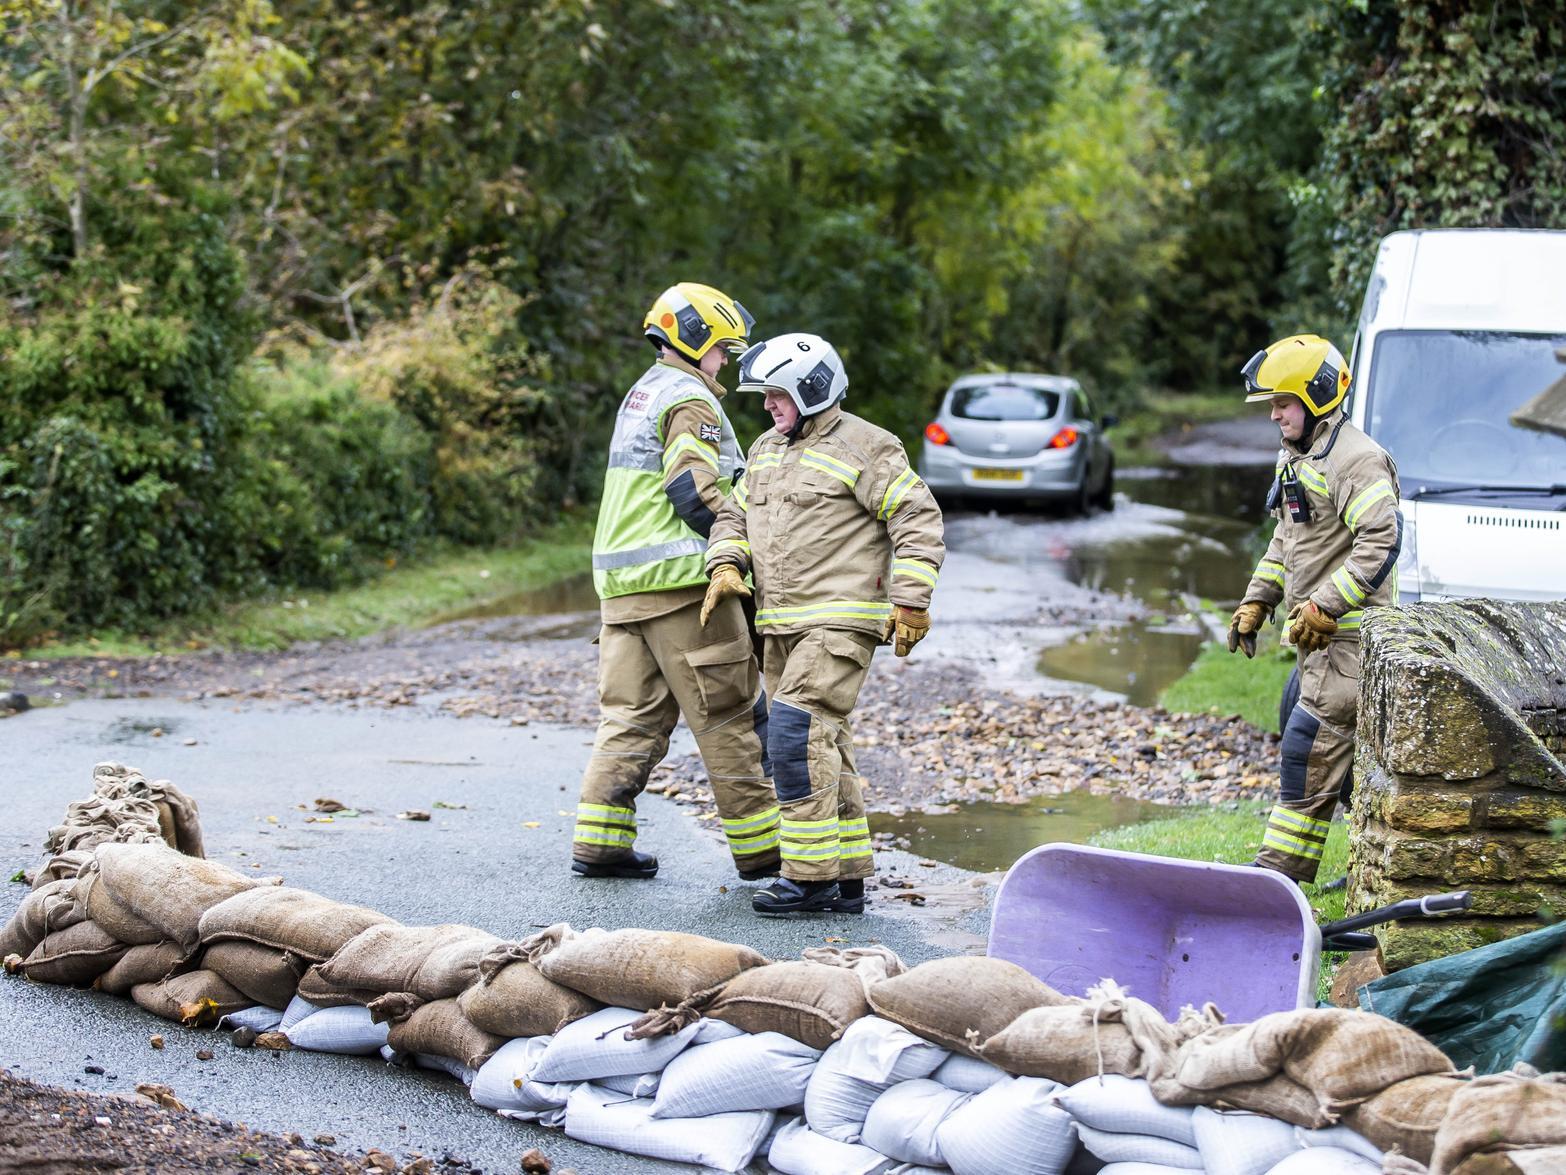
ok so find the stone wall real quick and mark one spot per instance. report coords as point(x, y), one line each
point(1459, 770)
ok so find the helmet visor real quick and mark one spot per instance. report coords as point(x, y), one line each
point(1254, 390)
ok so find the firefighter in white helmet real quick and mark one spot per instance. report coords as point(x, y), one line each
point(1333, 555)
point(844, 542)
point(671, 466)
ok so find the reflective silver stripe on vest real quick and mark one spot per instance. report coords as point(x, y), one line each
point(617, 559)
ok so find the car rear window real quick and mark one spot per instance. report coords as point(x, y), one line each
point(1004, 402)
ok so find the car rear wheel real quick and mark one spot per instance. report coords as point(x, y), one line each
point(1106, 492)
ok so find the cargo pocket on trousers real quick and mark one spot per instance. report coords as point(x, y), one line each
point(725, 675)
point(848, 659)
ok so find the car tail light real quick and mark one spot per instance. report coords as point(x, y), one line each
point(937, 435)
point(1064, 439)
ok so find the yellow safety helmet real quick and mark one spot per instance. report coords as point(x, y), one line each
point(1306, 366)
point(693, 318)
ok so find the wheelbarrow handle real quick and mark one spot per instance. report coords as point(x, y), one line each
point(1429, 906)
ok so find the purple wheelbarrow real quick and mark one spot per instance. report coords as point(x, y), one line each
point(1174, 932)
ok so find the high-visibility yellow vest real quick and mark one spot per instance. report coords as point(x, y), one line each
point(641, 544)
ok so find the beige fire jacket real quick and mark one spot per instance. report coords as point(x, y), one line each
point(1345, 557)
point(835, 527)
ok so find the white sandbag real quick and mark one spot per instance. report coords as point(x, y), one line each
point(873, 1055)
point(347, 1030)
point(903, 1121)
point(1126, 1105)
point(1238, 1143)
point(798, 1150)
point(634, 1084)
point(554, 1118)
point(725, 1141)
point(1342, 1137)
point(1013, 1126)
point(1326, 1160)
point(258, 1019)
point(1140, 1169)
point(878, 1050)
point(503, 1085)
point(764, 1071)
point(1138, 1148)
point(447, 1065)
point(595, 1047)
point(298, 1008)
point(968, 1074)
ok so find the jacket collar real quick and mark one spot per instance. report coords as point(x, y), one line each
point(680, 363)
point(1321, 435)
point(822, 423)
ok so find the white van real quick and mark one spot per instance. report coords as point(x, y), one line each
point(1458, 330)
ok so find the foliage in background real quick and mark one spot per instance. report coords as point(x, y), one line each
point(1444, 115)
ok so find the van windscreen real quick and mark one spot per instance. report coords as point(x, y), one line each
point(1004, 402)
point(1439, 402)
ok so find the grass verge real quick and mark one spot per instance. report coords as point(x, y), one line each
point(446, 581)
point(1232, 837)
point(1221, 682)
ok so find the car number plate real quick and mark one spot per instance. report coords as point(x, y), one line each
point(997, 475)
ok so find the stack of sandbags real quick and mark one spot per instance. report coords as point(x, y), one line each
point(512, 998)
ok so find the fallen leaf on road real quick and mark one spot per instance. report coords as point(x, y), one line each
point(413, 814)
point(20, 875)
point(451, 807)
point(275, 1041)
point(530, 824)
point(835, 938)
point(323, 804)
point(913, 899)
point(895, 883)
point(199, 1013)
point(320, 820)
point(160, 1094)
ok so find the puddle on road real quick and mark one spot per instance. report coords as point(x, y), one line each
point(987, 836)
point(572, 594)
point(1140, 659)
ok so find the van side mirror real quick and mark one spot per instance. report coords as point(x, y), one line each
point(1110, 420)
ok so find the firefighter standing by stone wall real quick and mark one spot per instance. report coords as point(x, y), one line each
point(671, 466)
point(844, 542)
point(1332, 555)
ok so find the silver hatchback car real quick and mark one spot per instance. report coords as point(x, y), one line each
point(1020, 436)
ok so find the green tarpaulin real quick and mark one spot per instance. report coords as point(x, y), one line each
point(1488, 1008)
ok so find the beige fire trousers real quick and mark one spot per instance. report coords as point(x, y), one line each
point(649, 673)
point(1317, 749)
point(814, 678)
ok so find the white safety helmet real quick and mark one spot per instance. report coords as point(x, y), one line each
point(807, 367)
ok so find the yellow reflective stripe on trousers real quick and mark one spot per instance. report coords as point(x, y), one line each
point(1312, 477)
point(826, 850)
point(752, 823)
point(826, 463)
point(809, 840)
point(896, 492)
point(914, 569)
point(831, 610)
point(855, 837)
point(741, 845)
point(685, 443)
point(1299, 822)
point(1365, 500)
point(1284, 843)
point(1270, 570)
point(595, 834)
point(1295, 834)
point(604, 814)
point(1352, 593)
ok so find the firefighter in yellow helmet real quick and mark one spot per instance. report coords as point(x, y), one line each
point(672, 463)
point(1333, 554)
point(845, 543)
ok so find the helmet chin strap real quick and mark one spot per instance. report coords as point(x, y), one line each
point(799, 427)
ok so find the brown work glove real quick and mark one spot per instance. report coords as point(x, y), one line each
point(726, 581)
point(909, 625)
point(1243, 626)
point(1312, 628)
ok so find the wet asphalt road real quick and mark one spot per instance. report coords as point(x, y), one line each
point(480, 864)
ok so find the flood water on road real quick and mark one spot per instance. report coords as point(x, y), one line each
point(988, 836)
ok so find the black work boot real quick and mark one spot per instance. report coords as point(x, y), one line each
point(633, 864)
point(786, 896)
point(851, 896)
